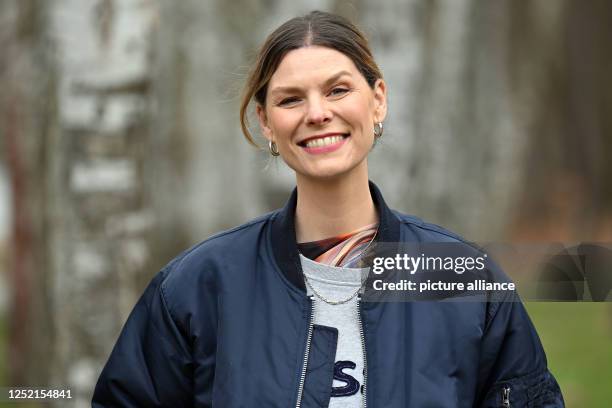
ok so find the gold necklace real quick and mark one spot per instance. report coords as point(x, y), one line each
point(339, 302)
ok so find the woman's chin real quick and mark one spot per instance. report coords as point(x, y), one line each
point(326, 173)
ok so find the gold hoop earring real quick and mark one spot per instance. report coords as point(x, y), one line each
point(378, 130)
point(273, 148)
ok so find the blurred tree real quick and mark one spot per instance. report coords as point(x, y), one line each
point(24, 112)
point(76, 119)
point(562, 78)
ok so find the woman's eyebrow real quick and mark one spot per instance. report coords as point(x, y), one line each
point(291, 89)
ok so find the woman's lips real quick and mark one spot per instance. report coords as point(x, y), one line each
point(324, 144)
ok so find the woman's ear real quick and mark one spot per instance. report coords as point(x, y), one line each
point(380, 100)
point(263, 121)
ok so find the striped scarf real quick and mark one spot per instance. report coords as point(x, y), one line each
point(342, 250)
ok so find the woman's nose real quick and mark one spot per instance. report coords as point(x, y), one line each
point(317, 112)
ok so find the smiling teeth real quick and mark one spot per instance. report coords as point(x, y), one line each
point(324, 141)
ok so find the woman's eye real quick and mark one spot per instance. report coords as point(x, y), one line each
point(288, 101)
point(338, 91)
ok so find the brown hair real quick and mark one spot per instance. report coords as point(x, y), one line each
point(315, 28)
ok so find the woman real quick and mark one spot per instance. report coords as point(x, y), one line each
point(269, 314)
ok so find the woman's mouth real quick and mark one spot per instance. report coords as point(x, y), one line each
point(324, 144)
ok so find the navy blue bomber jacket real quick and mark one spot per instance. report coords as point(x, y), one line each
point(228, 324)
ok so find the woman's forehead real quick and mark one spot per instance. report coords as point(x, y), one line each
point(311, 63)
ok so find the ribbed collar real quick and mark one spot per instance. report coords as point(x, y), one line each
point(284, 245)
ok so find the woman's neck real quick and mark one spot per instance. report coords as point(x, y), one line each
point(333, 207)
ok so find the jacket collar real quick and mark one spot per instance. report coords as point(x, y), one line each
point(284, 245)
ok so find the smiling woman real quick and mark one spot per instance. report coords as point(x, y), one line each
point(272, 313)
point(320, 113)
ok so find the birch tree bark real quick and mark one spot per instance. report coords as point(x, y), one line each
point(457, 130)
point(102, 247)
point(77, 125)
point(24, 112)
point(499, 115)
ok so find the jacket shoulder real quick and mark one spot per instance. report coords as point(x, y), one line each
point(427, 230)
point(197, 266)
point(228, 236)
point(221, 242)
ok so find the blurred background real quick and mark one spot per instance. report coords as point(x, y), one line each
point(120, 146)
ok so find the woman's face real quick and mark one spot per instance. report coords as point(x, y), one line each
point(320, 112)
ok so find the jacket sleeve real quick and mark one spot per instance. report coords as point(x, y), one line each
point(513, 369)
point(151, 363)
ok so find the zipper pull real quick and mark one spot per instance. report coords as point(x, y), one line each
point(506, 397)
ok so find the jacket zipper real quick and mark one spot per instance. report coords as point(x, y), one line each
point(364, 402)
point(506, 397)
point(298, 403)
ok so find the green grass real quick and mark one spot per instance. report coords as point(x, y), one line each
point(577, 338)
